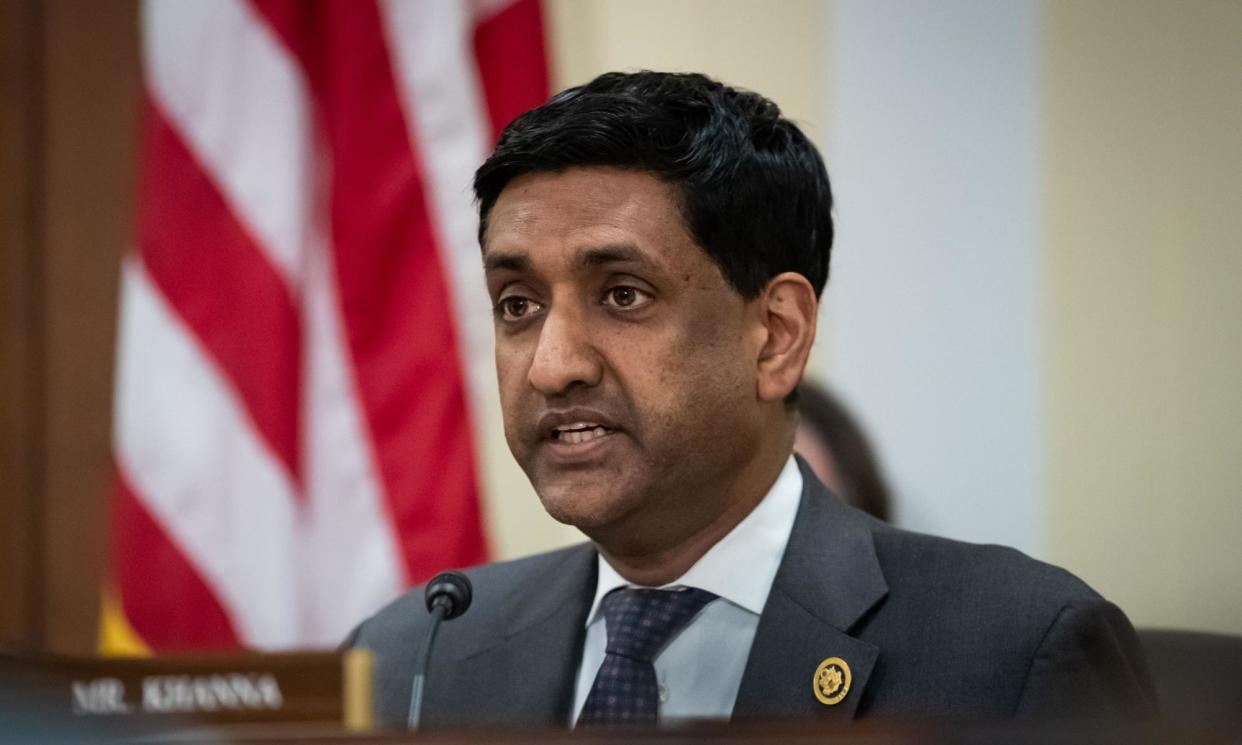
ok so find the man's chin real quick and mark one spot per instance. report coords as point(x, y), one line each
point(584, 509)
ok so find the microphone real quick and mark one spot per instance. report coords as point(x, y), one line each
point(448, 596)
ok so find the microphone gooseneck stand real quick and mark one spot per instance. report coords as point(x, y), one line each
point(448, 596)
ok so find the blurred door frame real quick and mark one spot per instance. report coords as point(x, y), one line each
point(69, 95)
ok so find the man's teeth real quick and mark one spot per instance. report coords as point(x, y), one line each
point(576, 436)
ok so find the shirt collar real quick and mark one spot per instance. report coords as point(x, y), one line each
point(756, 543)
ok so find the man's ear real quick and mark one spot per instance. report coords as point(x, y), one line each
point(788, 309)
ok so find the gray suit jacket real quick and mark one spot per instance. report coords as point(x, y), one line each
point(930, 628)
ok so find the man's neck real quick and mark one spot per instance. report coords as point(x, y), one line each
point(655, 565)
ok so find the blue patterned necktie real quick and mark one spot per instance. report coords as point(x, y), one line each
point(639, 624)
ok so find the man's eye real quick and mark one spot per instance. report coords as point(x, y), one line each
point(626, 297)
point(516, 307)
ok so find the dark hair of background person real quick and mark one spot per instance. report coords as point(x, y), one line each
point(754, 190)
point(856, 467)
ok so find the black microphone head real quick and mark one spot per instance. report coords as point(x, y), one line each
point(451, 590)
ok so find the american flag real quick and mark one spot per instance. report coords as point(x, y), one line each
point(305, 342)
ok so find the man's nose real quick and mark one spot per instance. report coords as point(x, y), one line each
point(564, 356)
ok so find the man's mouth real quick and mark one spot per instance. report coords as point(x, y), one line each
point(578, 432)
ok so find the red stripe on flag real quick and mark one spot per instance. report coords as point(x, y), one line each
point(164, 598)
point(217, 279)
point(393, 291)
point(509, 49)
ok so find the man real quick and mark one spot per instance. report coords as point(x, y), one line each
point(655, 246)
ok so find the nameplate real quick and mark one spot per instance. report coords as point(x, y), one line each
point(254, 688)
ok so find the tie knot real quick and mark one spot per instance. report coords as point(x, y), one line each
point(640, 622)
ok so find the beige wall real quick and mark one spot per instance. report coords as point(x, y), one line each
point(769, 47)
point(1143, 276)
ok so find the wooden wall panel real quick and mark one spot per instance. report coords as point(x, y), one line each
point(92, 79)
point(21, 359)
point(70, 75)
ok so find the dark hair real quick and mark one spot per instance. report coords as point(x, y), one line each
point(857, 469)
point(754, 191)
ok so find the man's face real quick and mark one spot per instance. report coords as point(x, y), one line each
point(626, 362)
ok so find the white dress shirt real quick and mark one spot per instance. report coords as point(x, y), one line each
point(700, 669)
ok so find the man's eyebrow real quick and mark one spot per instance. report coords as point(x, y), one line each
point(494, 261)
point(610, 254)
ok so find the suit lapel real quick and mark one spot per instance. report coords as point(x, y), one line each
point(828, 579)
point(524, 674)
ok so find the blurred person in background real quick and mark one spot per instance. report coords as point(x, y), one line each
point(838, 451)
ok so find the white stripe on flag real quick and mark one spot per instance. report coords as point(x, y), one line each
point(242, 106)
point(354, 561)
point(185, 443)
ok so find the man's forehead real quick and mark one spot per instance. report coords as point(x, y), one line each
point(594, 193)
point(589, 216)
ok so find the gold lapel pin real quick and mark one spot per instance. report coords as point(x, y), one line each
point(831, 681)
